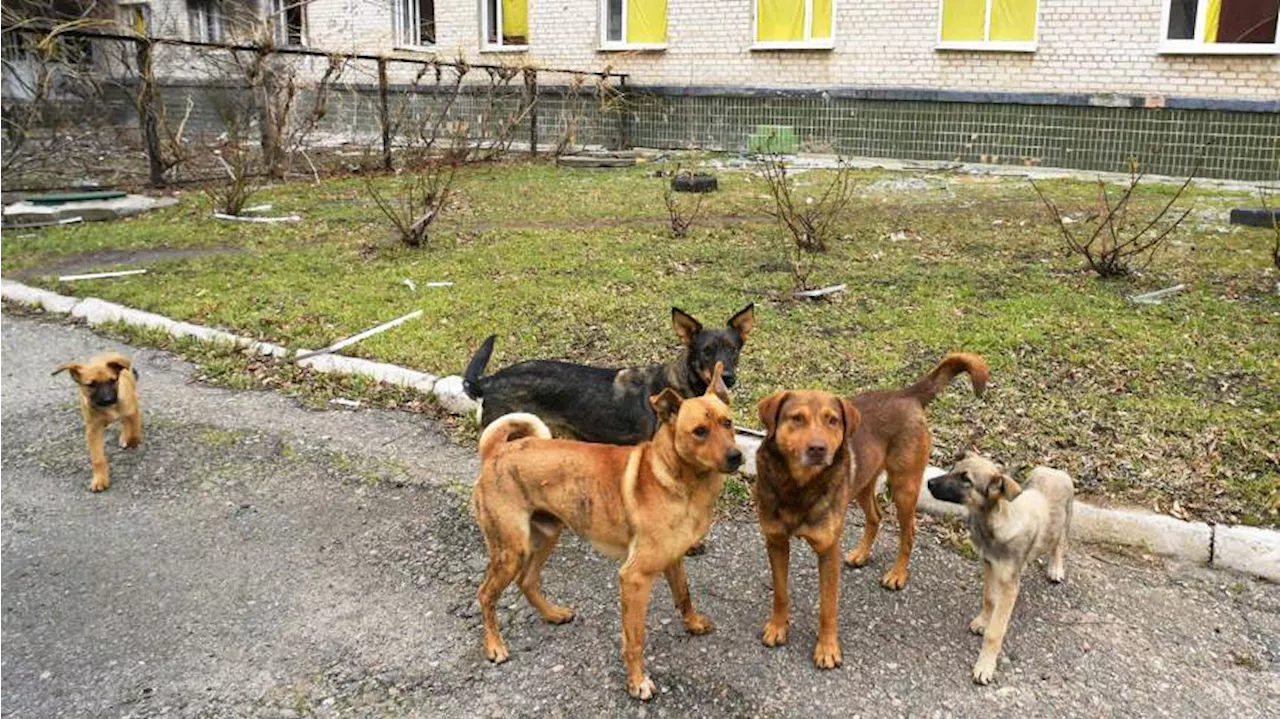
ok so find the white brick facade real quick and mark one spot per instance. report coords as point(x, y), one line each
point(1085, 46)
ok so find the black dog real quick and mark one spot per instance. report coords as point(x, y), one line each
point(594, 404)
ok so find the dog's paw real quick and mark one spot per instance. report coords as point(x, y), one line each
point(99, 484)
point(558, 615)
point(895, 578)
point(699, 624)
point(496, 652)
point(130, 442)
point(643, 689)
point(979, 624)
point(827, 654)
point(1055, 574)
point(857, 558)
point(696, 550)
point(984, 670)
point(775, 633)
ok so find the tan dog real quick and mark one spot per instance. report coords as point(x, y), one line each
point(645, 504)
point(108, 392)
point(894, 438)
point(1011, 526)
point(802, 489)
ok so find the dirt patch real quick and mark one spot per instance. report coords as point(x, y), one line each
point(108, 259)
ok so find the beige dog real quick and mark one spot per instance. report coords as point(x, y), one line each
point(108, 392)
point(1011, 526)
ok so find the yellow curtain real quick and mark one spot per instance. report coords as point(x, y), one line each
point(822, 19)
point(646, 21)
point(1013, 20)
point(1213, 14)
point(963, 20)
point(779, 20)
point(515, 22)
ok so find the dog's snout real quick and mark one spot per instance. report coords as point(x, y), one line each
point(816, 449)
point(730, 379)
point(104, 395)
point(733, 458)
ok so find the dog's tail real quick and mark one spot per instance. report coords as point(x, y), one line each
point(939, 377)
point(510, 427)
point(475, 368)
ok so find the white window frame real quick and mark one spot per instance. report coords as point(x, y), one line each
point(485, 20)
point(989, 45)
point(280, 31)
point(808, 43)
point(199, 12)
point(607, 45)
point(403, 30)
point(1198, 46)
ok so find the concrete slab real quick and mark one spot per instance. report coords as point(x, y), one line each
point(24, 213)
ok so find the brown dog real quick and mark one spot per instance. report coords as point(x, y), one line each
point(645, 504)
point(108, 392)
point(894, 438)
point(802, 489)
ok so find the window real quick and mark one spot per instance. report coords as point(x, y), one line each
point(1220, 26)
point(135, 17)
point(794, 24)
point(633, 24)
point(289, 22)
point(505, 24)
point(1004, 25)
point(415, 23)
point(206, 20)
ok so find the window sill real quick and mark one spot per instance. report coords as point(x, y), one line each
point(1209, 48)
point(414, 48)
point(769, 45)
point(504, 48)
point(632, 47)
point(987, 46)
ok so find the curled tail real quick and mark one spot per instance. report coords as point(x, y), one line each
point(475, 368)
point(510, 427)
point(939, 377)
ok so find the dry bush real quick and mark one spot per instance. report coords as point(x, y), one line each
point(235, 154)
point(1113, 242)
point(422, 196)
point(680, 215)
point(1275, 227)
point(807, 218)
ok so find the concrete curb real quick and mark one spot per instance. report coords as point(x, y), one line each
point(1250, 550)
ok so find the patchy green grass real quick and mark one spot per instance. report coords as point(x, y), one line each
point(1174, 405)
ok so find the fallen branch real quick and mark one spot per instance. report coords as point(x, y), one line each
point(821, 292)
point(363, 335)
point(1153, 298)
point(100, 275)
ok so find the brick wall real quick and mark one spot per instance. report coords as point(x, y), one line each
point(1085, 46)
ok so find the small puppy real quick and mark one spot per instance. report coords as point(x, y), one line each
point(645, 505)
point(108, 392)
point(802, 488)
point(1011, 526)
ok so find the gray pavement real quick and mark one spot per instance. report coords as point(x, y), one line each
point(256, 558)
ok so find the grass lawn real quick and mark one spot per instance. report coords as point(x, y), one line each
point(1173, 406)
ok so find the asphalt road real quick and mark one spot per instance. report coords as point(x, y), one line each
point(255, 558)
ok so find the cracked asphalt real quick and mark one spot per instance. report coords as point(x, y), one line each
point(257, 558)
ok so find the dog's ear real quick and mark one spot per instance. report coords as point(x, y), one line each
point(770, 408)
point(72, 367)
point(686, 327)
point(1007, 486)
point(666, 404)
point(744, 321)
point(852, 418)
point(717, 386)
point(118, 363)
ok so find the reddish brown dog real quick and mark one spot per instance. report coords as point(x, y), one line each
point(819, 452)
point(645, 505)
point(894, 438)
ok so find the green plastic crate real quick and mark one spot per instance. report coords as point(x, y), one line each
point(774, 139)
